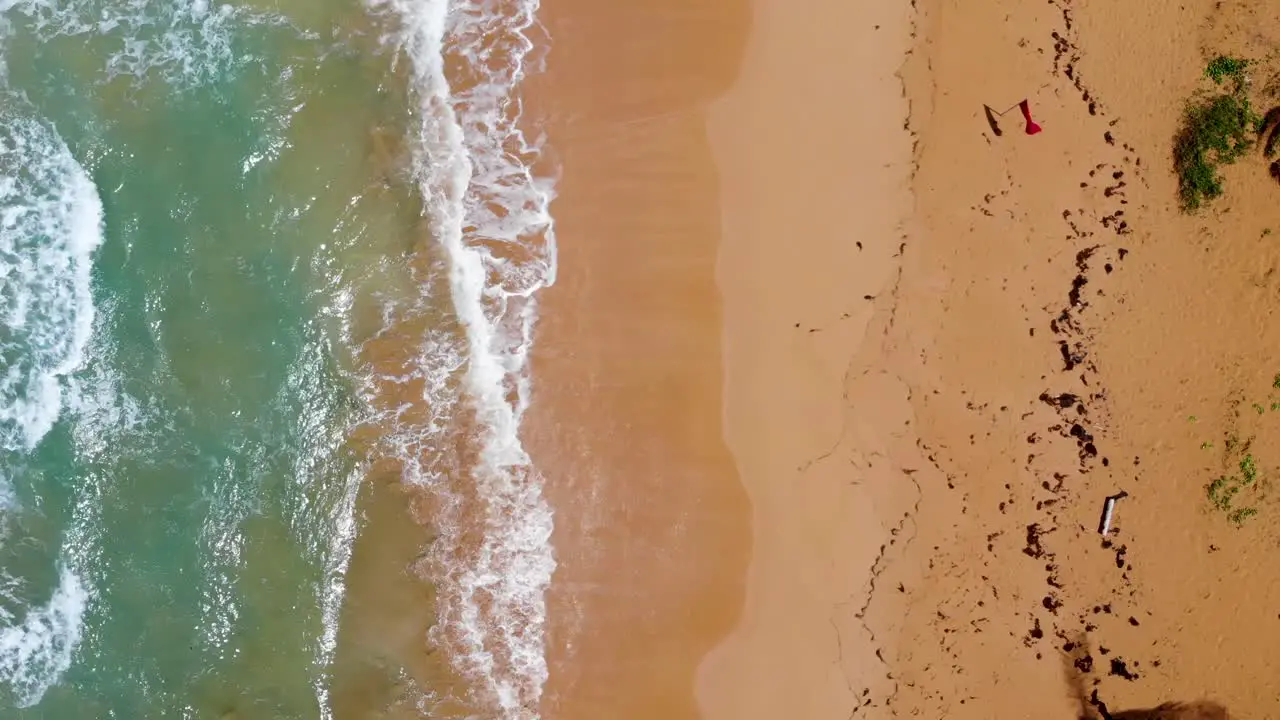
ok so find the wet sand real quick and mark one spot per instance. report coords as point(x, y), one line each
point(651, 523)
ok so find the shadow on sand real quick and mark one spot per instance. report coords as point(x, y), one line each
point(1091, 707)
point(1199, 710)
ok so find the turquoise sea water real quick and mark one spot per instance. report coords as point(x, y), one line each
point(207, 212)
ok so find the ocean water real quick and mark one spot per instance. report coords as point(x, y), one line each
point(254, 256)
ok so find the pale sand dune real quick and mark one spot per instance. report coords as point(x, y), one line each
point(815, 161)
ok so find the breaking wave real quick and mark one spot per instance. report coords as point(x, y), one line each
point(488, 211)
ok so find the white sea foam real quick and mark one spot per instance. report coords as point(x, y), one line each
point(490, 214)
point(187, 42)
point(50, 226)
point(36, 651)
point(104, 416)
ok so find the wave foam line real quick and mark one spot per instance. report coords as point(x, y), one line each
point(50, 226)
point(35, 653)
point(490, 214)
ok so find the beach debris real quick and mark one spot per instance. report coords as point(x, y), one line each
point(1108, 509)
point(1121, 669)
point(991, 120)
point(1034, 548)
point(1024, 106)
point(1032, 127)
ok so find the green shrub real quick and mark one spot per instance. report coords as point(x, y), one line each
point(1215, 131)
point(1222, 68)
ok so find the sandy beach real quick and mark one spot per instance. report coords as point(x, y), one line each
point(1053, 331)
point(838, 374)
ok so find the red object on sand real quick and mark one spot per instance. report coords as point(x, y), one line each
point(1032, 127)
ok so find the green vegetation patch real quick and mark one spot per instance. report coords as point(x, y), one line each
point(1216, 131)
point(1219, 126)
point(1223, 68)
point(1225, 490)
point(1241, 484)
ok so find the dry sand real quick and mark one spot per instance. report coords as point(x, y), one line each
point(1056, 324)
point(1169, 320)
